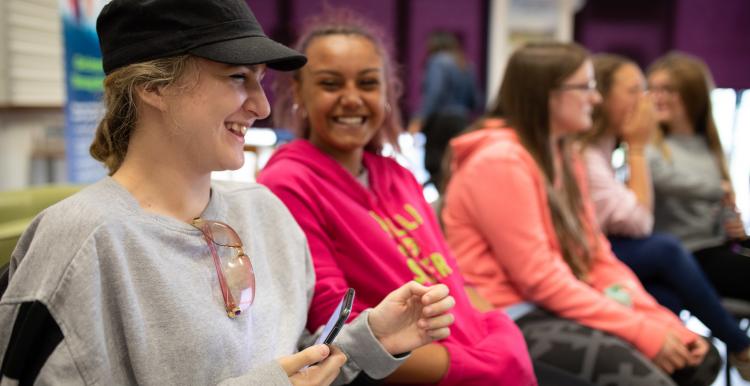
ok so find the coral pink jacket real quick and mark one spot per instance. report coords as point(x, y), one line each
point(499, 226)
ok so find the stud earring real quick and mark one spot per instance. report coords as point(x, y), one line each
point(296, 110)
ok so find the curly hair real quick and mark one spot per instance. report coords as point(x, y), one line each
point(341, 21)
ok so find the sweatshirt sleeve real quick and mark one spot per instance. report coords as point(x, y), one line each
point(270, 374)
point(510, 213)
point(51, 361)
point(356, 340)
point(364, 351)
point(670, 180)
point(35, 350)
point(618, 211)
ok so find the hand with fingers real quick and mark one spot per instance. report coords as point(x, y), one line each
point(316, 365)
point(674, 354)
point(641, 123)
point(698, 350)
point(412, 316)
point(734, 227)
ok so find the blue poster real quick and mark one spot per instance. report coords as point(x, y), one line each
point(83, 83)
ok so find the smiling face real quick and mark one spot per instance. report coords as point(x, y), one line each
point(342, 90)
point(628, 84)
point(570, 106)
point(667, 101)
point(210, 109)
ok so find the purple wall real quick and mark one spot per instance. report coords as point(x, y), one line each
point(645, 29)
point(642, 29)
point(266, 13)
point(408, 23)
point(466, 17)
point(718, 32)
point(382, 12)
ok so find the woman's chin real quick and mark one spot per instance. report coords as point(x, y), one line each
point(233, 164)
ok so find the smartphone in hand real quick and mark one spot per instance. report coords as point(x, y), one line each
point(337, 319)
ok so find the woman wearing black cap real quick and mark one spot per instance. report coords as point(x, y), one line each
point(156, 275)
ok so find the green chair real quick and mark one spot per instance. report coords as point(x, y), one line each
point(19, 207)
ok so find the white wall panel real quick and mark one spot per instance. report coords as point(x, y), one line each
point(31, 54)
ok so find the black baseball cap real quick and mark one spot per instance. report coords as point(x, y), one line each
point(134, 31)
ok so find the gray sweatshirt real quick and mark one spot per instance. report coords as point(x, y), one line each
point(137, 299)
point(687, 199)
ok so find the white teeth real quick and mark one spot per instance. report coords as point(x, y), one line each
point(237, 128)
point(350, 120)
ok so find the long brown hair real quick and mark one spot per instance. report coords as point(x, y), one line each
point(341, 21)
point(693, 83)
point(605, 68)
point(532, 74)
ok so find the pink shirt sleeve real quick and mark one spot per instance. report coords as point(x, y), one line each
point(618, 211)
point(514, 211)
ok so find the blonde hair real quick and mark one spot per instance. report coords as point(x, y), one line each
point(113, 133)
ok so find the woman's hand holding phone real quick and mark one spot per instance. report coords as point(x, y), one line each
point(316, 365)
point(412, 316)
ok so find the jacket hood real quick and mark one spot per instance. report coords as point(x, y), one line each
point(464, 146)
point(305, 155)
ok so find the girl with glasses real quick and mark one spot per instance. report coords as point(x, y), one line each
point(624, 206)
point(694, 197)
point(517, 216)
point(139, 278)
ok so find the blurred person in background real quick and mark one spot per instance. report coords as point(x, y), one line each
point(518, 218)
point(694, 198)
point(450, 96)
point(626, 120)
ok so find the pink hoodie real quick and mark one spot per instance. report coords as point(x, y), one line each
point(499, 225)
point(377, 239)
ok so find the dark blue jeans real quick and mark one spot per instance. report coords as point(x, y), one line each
point(671, 275)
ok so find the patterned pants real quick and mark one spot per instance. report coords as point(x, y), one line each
point(602, 359)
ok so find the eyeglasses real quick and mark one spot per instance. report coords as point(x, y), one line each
point(589, 86)
point(236, 276)
point(662, 89)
